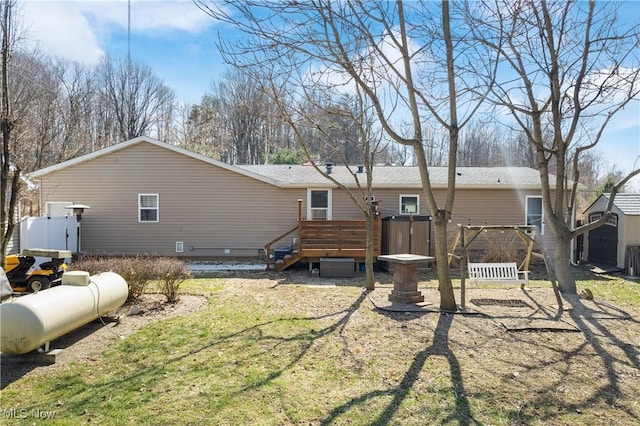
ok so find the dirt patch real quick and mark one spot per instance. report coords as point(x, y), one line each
point(89, 341)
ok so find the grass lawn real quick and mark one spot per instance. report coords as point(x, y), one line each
point(269, 350)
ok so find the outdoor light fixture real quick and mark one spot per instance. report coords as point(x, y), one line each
point(78, 210)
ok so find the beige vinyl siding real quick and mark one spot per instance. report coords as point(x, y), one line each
point(199, 204)
point(212, 208)
point(471, 207)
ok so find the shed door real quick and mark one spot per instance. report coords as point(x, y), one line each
point(603, 241)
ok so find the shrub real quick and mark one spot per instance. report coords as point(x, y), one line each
point(503, 247)
point(170, 273)
point(136, 271)
point(92, 265)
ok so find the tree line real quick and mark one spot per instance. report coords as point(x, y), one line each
point(63, 109)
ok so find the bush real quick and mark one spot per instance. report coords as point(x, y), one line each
point(170, 273)
point(503, 247)
point(137, 271)
point(92, 265)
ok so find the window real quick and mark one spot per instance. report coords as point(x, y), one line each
point(319, 202)
point(534, 214)
point(148, 208)
point(409, 204)
point(612, 221)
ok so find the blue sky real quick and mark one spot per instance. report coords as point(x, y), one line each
point(174, 37)
point(177, 39)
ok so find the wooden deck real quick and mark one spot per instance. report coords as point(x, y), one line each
point(326, 238)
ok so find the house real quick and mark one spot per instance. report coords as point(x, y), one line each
point(150, 197)
point(616, 242)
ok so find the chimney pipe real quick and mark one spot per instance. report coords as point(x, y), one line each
point(329, 167)
point(360, 169)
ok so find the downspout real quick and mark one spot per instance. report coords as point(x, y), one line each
point(39, 196)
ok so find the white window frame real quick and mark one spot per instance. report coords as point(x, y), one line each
point(416, 196)
point(526, 211)
point(612, 221)
point(328, 209)
point(140, 208)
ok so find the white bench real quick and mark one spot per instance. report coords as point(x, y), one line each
point(506, 273)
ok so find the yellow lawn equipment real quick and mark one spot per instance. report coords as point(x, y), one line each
point(24, 276)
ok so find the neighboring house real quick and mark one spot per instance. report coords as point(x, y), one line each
point(612, 243)
point(150, 197)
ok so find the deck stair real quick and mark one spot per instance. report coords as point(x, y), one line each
point(288, 260)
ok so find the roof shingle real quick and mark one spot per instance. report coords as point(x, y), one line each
point(629, 204)
point(400, 176)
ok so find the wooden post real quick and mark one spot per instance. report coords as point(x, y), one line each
point(456, 239)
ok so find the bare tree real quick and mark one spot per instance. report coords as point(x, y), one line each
point(481, 145)
point(242, 111)
point(236, 121)
point(409, 60)
point(10, 172)
point(355, 113)
point(34, 90)
point(202, 131)
point(332, 133)
point(75, 130)
point(569, 68)
point(136, 96)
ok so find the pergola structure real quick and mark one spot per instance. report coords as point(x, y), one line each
point(527, 233)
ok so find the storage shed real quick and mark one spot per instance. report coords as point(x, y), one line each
point(616, 242)
point(405, 234)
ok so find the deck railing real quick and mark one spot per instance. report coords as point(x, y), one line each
point(330, 238)
point(335, 236)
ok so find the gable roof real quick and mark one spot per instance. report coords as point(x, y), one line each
point(305, 176)
point(138, 140)
point(627, 203)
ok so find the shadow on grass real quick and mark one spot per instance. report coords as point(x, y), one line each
point(145, 376)
point(614, 354)
point(440, 347)
point(15, 367)
point(601, 338)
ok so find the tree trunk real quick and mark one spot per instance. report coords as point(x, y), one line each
point(370, 283)
point(447, 298)
point(564, 275)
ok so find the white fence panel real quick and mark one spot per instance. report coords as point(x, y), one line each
point(53, 232)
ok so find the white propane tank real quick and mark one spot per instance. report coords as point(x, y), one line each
point(30, 321)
